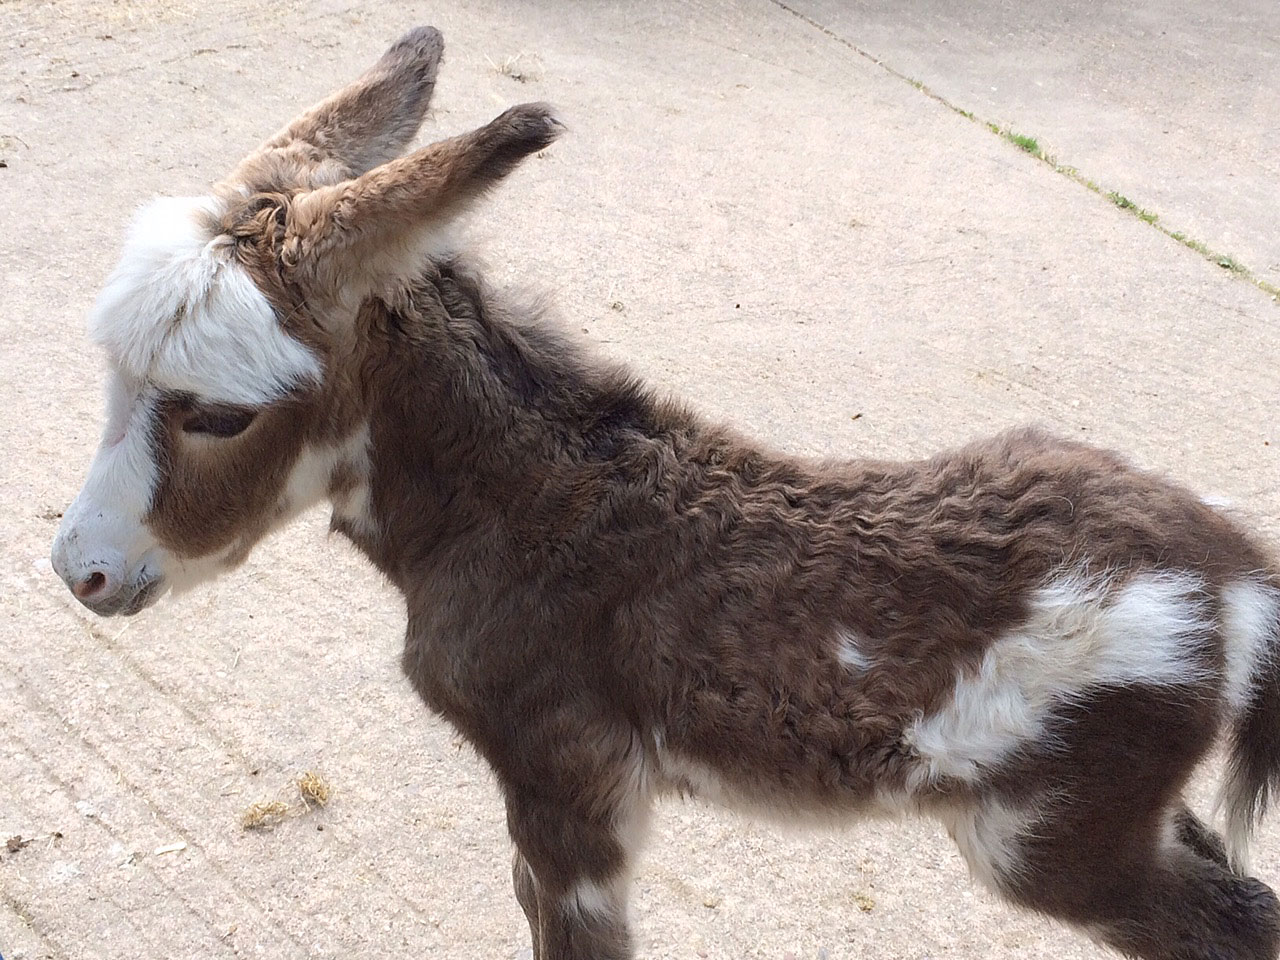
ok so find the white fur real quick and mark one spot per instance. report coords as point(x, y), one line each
point(683, 775)
point(308, 481)
point(1225, 504)
point(354, 506)
point(1250, 618)
point(179, 312)
point(1082, 634)
point(588, 899)
point(849, 651)
point(103, 528)
point(1251, 634)
point(986, 836)
point(696, 779)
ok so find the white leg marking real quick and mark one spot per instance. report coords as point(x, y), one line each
point(987, 839)
point(591, 899)
point(1082, 634)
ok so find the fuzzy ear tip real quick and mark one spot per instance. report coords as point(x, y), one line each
point(421, 43)
point(537, 123)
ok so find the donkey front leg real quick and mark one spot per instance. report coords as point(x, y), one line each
point(572, 875)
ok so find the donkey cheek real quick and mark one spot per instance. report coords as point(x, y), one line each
point(194, 518)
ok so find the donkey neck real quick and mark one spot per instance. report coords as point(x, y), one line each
point(488, 433)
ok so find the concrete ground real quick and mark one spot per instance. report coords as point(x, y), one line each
point(752, 211)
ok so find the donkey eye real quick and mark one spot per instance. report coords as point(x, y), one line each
point(218, 422)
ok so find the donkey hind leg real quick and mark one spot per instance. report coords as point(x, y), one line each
point(1092, 830)
point(527, 896)
point(572, 876)
point(1196, 836)
point(1155, 888)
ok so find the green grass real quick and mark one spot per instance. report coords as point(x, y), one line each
point(1030, 144)
point(1124, 203)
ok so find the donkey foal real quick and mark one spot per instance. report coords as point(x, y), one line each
point(612, 598)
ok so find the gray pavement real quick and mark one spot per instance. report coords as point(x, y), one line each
point(1173, 105)
point(749, 212)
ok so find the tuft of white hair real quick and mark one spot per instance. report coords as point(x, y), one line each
point(180, 312)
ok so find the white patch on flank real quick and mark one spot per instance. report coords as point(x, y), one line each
point(1250, 621)
point(179, 312)
point(1083, 633)
point(986, 836)
point(849, 651)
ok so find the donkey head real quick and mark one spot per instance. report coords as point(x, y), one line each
point(230, 319)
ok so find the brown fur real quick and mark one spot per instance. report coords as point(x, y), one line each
point(598, 581)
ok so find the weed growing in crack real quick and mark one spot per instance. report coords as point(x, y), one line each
point(1030, 144)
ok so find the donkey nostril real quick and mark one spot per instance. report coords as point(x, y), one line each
point(94, 583)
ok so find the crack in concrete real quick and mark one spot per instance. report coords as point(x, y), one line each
point(1225, 261)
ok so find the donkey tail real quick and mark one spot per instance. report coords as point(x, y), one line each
point(1252, 779)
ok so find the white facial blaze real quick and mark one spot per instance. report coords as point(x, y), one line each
point(179, 312)
point(103, 528)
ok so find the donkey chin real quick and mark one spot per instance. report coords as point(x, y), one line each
point(135, 597)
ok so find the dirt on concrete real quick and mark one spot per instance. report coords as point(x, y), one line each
point(748, 212)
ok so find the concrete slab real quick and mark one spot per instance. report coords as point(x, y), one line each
point(1172, 105)
point(748, 213)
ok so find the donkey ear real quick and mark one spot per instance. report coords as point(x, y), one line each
point(402, 202)
point(364, 124)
